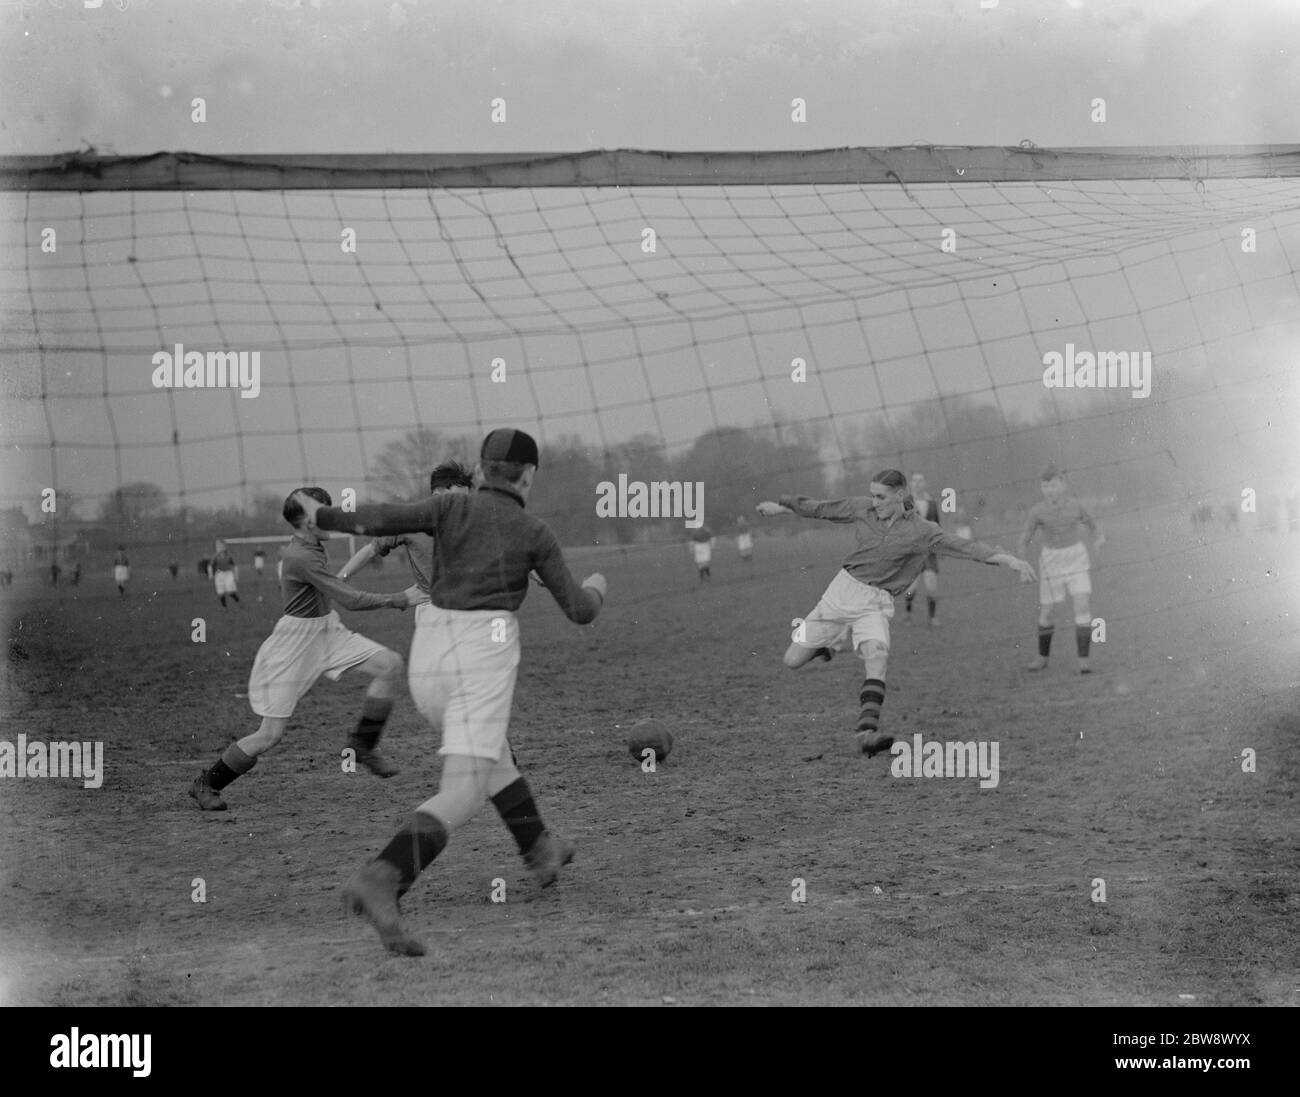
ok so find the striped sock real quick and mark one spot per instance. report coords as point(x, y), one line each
point(1044, 640)
point(871, 698)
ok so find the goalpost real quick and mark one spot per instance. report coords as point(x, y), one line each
point(754, 321)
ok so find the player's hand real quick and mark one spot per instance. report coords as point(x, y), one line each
point(309, 505)
point(597, 583)
point(1024, 569)
point(771, 510)
point(414, 595)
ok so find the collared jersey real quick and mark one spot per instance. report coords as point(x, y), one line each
point(223, 561)
point(888, 555)
point(307, 584)
point(484, 545)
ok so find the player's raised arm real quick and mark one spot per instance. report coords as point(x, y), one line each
point(1031, 527)
point(831, 510)
point(1093, 527)
point(360, 560)
point(946, 544)
point(580, 602)
point(373, 519)
point(349, 597)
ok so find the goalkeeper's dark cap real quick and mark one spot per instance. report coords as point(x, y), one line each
point(508, 444)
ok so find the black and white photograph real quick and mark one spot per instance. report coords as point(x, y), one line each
point(651, 503)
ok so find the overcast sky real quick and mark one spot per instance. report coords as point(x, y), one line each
point(672, 344)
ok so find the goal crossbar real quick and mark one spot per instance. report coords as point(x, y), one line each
point(917, 164)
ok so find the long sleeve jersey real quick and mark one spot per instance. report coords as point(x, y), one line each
point(484, 545)
point(888, 555)
point(308, 585)
point(1059, 521)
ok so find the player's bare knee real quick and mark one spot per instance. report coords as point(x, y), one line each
point(874, 656)
point(795, 657)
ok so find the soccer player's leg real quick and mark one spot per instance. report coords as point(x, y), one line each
point(1050, 591)
point(1080, 589)
point(385, 668)
point(930, 580)
point(871, 640)
point(909, 596)
point(287, 665)
point(823, 632)
point(461, 676)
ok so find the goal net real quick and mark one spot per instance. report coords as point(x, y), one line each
point(187, 339)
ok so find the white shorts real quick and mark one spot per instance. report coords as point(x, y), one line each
point(703, 552)
point(463, 666)
point(121, 573)
point(1063, 571)
point(298, 651)
point(225, 581)
point(745, 542)
point(849, 606)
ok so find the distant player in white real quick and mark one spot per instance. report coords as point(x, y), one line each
point(702, 550)
point(121, 571)
point(1065, 563)
point(745, 540)
point(224, 574)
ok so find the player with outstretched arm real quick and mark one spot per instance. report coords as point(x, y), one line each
point(308, 641)
point(463, 664)
point(449, 476)
point(893, 544)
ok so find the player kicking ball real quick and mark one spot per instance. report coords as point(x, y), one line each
point(464, 661)
point(1064, 564)
point(893, 544)
point(308, 641)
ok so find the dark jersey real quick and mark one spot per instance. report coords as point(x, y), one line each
point(484, 546)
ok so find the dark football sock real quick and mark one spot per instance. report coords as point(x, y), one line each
point(222, 599)
point(1082, 638)
point(871, 698)
point(413, 848)
point(933, 605)
point(907, 601)
point(374, 714)
point(235, 597)
point(1044, 640)
point(232, 763)
point(519, 813)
